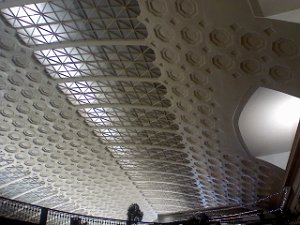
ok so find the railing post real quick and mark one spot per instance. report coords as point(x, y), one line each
point(43, 216)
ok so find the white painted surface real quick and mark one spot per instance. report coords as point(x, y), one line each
point(268, 124)
point(272, 7)
point(279, 159)
point(290, 16)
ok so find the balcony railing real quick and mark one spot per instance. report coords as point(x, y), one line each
point(21, 211)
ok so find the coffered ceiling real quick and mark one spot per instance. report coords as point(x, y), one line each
point(105, 103)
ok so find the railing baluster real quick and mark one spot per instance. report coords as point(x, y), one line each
point(43, 216)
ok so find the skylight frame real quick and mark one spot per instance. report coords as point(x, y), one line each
point(51, 22)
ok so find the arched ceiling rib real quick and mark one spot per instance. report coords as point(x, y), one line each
point(146, 118)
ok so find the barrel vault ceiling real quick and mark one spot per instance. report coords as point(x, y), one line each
point(109, 102)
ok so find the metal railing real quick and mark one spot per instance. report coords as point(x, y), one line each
point(21, 211)
point(64, 218)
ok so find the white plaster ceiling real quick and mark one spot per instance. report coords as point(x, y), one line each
point(106, 103)
point(268, 124)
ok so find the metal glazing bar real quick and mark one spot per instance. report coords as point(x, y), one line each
point(146, 146)
point(107, 78)
point(156, 129)
point(14, 3)
point(25, 192)
point(91, 42)
point(125, 106)
point(12, 182)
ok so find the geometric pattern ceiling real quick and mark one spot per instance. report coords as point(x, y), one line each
point(105, 103)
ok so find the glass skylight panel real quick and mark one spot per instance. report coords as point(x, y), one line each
point(36, 195)
point(40, 24)
point(170, 187)
point(83, 99)
point(11, 173)
point(67, 207)
point(133, 136)
point(119, 92)
point(98, 116)
point(158, 177)
point(128, 117)
point(115, 135)
point(20, 187)
point(5, 160)
point(79, 87)
point(157, 167)
point(71, 20)
point(149, 153)
point(53, 201)
point(167, 194)
point(131, 61)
